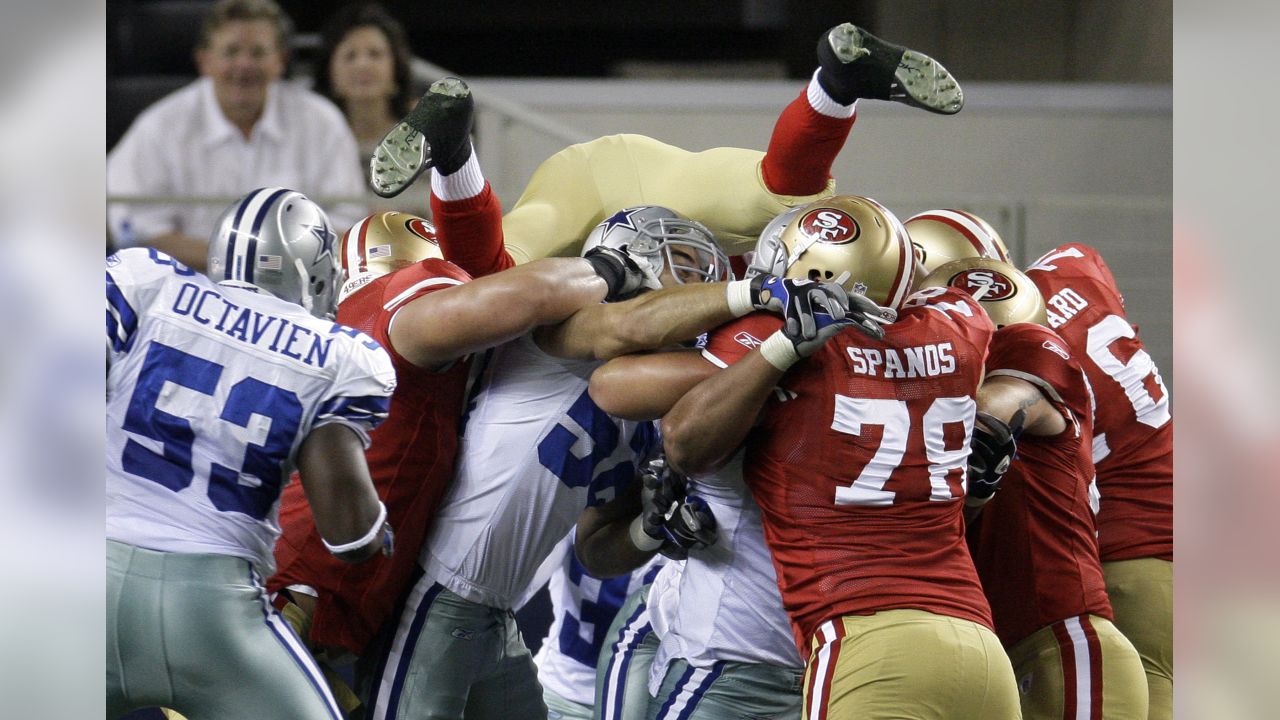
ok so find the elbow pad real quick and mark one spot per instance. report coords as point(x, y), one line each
point(991, 451)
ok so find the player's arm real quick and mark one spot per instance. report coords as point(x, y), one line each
point(1003, 396)
point(347, 512)
point(654, 320)
point(442, 326)
point(708, 423)
point(653, 514)
point(645, 387)
point(705, 426)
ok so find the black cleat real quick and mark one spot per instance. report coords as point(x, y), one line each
point(436, 133)
point(854, 64)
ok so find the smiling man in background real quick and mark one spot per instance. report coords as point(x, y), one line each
point(235, 128)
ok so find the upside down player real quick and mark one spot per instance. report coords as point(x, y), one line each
point(1034, 543)
point(733, 191)
point(1132, 452)
point(898, 412)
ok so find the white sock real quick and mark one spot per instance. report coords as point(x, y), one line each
point(822, 103)
point(464, 184)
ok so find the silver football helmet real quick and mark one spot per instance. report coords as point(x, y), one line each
point(765, 259)
point(660, 238)
point(278, 241)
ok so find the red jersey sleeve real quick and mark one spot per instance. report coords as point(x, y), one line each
point(730, 342)
point(1039, 356)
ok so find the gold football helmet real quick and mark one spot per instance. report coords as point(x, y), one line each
point(385, 242)
point(1001, 289)
point(845, 235)
point(940, 236)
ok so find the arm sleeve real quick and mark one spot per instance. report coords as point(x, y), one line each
point(360, 396)
point(134, 277)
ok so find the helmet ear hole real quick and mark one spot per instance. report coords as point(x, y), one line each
point(816, 275)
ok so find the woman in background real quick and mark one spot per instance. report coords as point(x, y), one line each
point(364, 69)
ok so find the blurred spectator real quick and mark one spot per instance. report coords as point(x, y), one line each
point(235, 128)
point(365, 69)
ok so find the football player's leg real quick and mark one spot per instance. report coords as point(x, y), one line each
point(467, 214)
point(727, 691)
point(512, 689)
point(1141, 594)
point(908, 663)
point(441, 647)
point(1081, 667)
point(622, 675)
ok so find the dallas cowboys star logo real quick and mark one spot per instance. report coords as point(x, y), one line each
point(622, 218)
point(325, 236)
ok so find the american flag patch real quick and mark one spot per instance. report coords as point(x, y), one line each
point(378, 251)
point(268, 262)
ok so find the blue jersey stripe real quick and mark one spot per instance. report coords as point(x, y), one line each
point(367, 409)
point(122, 334)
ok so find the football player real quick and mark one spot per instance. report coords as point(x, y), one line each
point(535, 451)
point(734, 191)
point(858, 466)
point(1132, 451)
point(727, 646)
point(1034, 544)
point(217, 386)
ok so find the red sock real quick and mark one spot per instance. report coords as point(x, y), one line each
point(470, 232)
point(803, 147)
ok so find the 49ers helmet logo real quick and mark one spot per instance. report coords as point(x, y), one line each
point(997, 286)
point(419, 227)
point(831, 226)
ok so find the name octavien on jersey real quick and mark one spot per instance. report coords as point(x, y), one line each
point(909, 362)
point(275, 334)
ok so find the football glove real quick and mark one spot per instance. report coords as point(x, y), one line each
point(625, 277)
point(669, 515)
point(991, 451)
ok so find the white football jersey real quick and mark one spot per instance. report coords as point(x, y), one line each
point(583, 608)
point(723, 602)
point(210, 392)
point(535, 451)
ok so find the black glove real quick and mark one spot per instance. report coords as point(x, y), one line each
point(624, 276)
point(679, 520)
point(992, 449)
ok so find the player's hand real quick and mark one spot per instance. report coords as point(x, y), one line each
point(679, 520)
point(992, 449)
point(625, 277)
point(691, 526)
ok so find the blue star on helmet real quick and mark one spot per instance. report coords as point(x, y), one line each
point(324, 235)
point(622, 218)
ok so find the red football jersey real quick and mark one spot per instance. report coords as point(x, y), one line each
point(410, 459)
point(859, 464)
point(1133, 428)
point(1034, 543)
